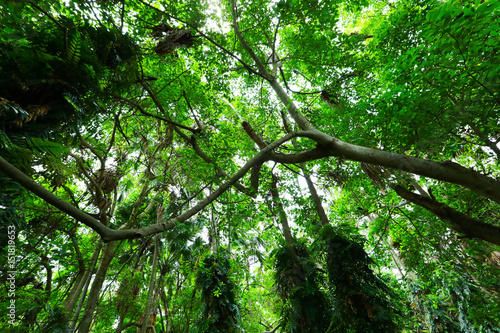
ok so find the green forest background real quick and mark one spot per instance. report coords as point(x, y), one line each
point(250, 166)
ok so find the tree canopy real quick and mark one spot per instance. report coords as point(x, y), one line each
point(250, 166)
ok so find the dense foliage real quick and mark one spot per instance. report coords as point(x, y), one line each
point(305, 307)
point(250, 166)
point(219, 312)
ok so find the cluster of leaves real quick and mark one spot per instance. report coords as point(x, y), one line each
point(432, 65)
point(55, 72)
point(361, 301)
point(55, 76)
point(297, 282)
point(219, 312)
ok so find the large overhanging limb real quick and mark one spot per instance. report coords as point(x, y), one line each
point(471, 227)
point(443, 171)
point(108, 234)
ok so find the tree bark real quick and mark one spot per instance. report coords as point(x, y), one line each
point(71, 300)
point(282, 216)
point(151, 288)
point(315, 197)
point(86, 282)
point(471, 227)
point(93, 297)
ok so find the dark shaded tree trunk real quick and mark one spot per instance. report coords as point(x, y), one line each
point(282, 217)
point(315, 197)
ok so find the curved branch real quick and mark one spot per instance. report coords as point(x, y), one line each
point(251, 133)
point(34, 5)
point(106, 233)
point(296, 92)
point(444, 171)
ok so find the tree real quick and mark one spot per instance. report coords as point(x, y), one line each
point(115, 111)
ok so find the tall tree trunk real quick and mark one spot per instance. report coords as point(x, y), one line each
point(166, 303)
point(71, 300)
point(215, 230)
point(151, 288)
point(84, 293)
point(93, 296)
point(312, 189)
point(282, 215)
point(315, 197)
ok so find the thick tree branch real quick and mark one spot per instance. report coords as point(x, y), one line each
point(315, 197)
point(251, 133)
point(471, 227)
point(254, 177)
point(106, 233)
point(282, 215)
point(444, 171)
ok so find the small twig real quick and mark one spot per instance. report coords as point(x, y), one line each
point(47, 14)
point(141, 109)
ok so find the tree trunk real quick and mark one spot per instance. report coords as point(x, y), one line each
point(151, 288)
point(315, 197)
point(71, 300)
point(83, 295)
point(281, 211)
point(283, 218)
point(93, 296)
